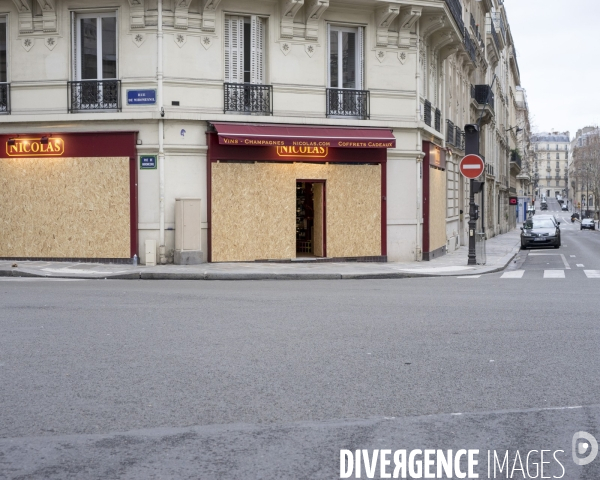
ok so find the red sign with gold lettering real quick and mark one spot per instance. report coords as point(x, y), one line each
point(33, 147)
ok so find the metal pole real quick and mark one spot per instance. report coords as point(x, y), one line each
point(472, 224)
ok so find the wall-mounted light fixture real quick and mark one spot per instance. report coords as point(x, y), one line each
point(11, 141)
point(44, 140)
point(518, 129)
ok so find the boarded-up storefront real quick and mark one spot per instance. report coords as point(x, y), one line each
point(434, 201)
point(68, 196)
point(288, 201)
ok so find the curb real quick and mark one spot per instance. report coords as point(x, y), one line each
point(224, 276)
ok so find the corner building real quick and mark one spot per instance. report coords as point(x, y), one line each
point(303, 128)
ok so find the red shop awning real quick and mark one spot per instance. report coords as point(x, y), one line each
point(253, 135)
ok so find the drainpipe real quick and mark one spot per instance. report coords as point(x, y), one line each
point(161, 140)
point(419, 164)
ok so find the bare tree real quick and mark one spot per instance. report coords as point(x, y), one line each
point(586, 159)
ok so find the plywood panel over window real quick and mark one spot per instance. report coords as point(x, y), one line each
point(437, 206)
point(254, 209)
point(65, 207)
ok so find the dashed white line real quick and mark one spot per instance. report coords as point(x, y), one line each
point(514, 274)
point(554, 274)
point(470, 276)
point(592, 273)
point(580, 265)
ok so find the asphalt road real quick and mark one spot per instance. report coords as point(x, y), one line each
point(264, 379)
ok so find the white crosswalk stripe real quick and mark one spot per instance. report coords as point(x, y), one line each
point(554, 274)
point(592, 273)
point(513, 274)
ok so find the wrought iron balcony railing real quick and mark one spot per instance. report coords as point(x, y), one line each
point(483, 94)
point(489, 169)
point(456, 10)
point(4, 98)
point(248, 98)
point(515, 158)
point(427, 112)
point(470, 47)
point(495, 36)
point(348, 103)
point(459, 138)
point(438, 120)
point(450, 132)
point(94, 95)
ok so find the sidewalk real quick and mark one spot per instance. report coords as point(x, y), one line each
point(500, 251)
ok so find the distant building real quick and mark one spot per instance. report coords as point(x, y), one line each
point(551, 164)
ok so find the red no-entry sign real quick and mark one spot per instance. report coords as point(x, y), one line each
point(471, 166)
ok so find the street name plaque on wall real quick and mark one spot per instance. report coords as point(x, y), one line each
point(141, 97)
point(148, 162)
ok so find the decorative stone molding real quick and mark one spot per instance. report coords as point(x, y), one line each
point(27, 43)
point(286, 47)
point(289, 9)
point(138, 38)
point(384, 17)
point(182, 8)
point(25, 16)
point(310, 49)
point(380, 55)
point(180, 39)
point(136, 14)
point(48, 15)
point(432, 24)
point(408, 17)
point(314, 10)
point(402, 56)
point(50, 43)
point(137, 17)
point(206, 42)
point(209, 15)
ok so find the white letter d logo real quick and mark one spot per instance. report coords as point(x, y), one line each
point(584, 447)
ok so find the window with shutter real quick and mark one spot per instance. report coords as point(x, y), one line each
point(257, 67)
point(234, 49)
point(244, 49)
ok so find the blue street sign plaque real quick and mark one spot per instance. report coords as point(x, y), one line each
point(148, 162)
point(141, 97)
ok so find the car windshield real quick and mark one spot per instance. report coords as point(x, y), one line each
point(587, 220)
point(540, 223)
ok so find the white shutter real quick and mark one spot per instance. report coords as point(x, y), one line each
point(234, 49)
point(74, 46)
point(257, 62)
point(360, 60)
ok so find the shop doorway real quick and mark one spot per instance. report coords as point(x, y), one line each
point(310, 218)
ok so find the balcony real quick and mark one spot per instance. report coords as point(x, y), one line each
point(96, 95)
point(489, 169)
point(516, 159)
point(483, 101)
point(459, 138)
point(427, 113)
point(4, 98)
point(450, 132)
point(438, 120)
point(348, 103)
point(470, 47)
point(455, 8)
point(248, 98)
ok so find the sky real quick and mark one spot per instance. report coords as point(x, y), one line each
point(558, 51)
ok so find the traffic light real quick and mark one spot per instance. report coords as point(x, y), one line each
point(472, 139)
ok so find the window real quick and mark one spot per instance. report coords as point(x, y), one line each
point(3, 58)
point(244, 49)
point(557, 156)
point(547, 156)
point(95, 46)
point(345, 57)
point(4, 85)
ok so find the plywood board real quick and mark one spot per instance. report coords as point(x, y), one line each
point(253, 209)
point(318, 227)
point(65, 207)
point(437, 209)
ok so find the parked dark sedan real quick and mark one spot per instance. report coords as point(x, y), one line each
point(540, 232)
point(588, 223)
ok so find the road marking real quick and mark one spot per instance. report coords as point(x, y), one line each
point(514, 274)
point(592, 273)
point(537, 254)
point(572, 256)
point(580, 265)
point(470, 276)
point(39, 279)
point(554, 274)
